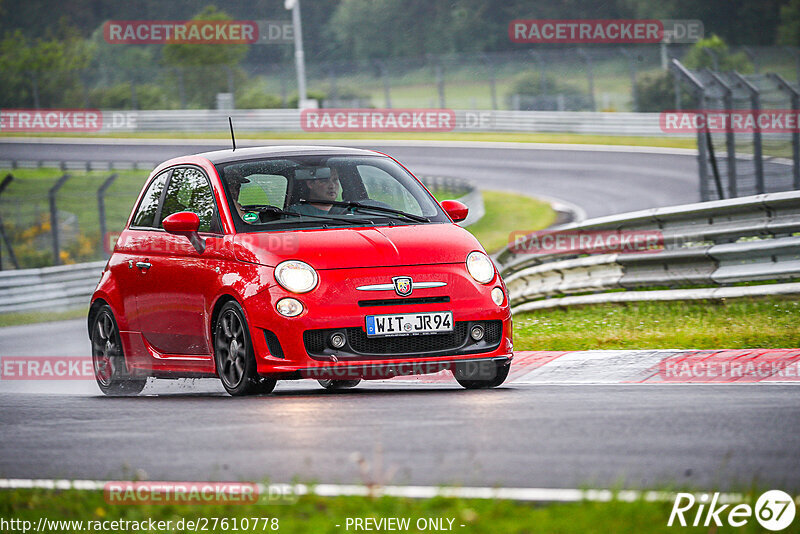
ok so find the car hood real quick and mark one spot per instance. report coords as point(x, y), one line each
point(342, 248)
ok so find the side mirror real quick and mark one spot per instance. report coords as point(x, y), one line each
point(455, 209)
point(185, 223)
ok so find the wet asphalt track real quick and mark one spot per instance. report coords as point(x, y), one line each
point(700, 436)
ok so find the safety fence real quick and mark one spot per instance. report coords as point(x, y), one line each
point(721, 249)
point(742, 161)
point(561, 77)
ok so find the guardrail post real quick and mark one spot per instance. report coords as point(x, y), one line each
point(35, 88)
point(54, 218)
point(492, 85)
point(589, 75)
point(681, 72)
point(101, 208)
point(537, 58)
point(439, 72)
point(134, 103)
point(794, 97)
point(284, 91)
point(755, 105)
point(231, 85)
point(387, 87)
point(632, 66)
point(181, 88)
point(730, 143)
point(332, 81)
point(3, 185)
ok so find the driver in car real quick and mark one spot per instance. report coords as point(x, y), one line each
point(318, 187)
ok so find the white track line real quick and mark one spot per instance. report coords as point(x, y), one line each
point(411, 492)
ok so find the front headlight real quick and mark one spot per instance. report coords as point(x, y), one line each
point(480, 267)
point(296, 276)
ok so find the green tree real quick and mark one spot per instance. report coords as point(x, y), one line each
point(744, 22)
point(50, 67)
point(698, 58)
point(656, 92)
point(789, 29)
point(205, 69)
point(189, 55)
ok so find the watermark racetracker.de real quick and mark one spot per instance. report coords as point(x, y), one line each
point(377, 120)
point(604, 31)
point(65, 120)
point(726, 367)
point(585, 242)
point(280, 242)
point(198, 32)
point(730, 120)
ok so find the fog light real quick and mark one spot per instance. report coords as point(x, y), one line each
point(476, 333)
point(337, 340)
point(289, 307)
point(497, 296)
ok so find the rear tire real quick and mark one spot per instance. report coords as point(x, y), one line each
point(338, 385)
point(108, 359)
point(233, 354)
point(480, 375)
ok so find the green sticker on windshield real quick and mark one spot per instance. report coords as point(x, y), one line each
point(250, 217)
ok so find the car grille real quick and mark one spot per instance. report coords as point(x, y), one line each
point(404, 301)
point(406, 344)
point(359, 344)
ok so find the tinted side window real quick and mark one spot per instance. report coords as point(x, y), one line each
point(189, 190)
point(146, 214)
point(263, 189)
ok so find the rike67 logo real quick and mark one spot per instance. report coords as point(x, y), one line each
point(774, 510)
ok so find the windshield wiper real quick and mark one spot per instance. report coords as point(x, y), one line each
point(277, 211)
point(351, 204)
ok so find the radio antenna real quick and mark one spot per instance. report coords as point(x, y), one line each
point(233, 138)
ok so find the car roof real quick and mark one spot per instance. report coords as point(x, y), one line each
point(228, 156)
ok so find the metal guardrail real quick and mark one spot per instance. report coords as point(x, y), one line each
point(708, 247)
point(51, 288)
point(288, 120)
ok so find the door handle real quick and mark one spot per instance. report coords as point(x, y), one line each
point(143, 265)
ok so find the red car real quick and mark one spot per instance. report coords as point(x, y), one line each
point(281, 263)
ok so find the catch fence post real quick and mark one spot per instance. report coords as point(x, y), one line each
point(54, 218)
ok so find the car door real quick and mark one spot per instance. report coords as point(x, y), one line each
point(180, 280)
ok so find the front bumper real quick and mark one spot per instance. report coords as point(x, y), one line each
point(292, 346)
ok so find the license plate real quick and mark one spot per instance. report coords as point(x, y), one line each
point(407, 324)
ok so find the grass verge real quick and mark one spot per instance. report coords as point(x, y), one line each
point(510, 137)
point(507, 212)
point(18, 318)
point(329, 514)
point(769, 322)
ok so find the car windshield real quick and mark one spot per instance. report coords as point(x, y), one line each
point(325, 191)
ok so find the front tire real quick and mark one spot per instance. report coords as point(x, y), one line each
point(234, 356)
point(108, 359)
point(481, 375)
